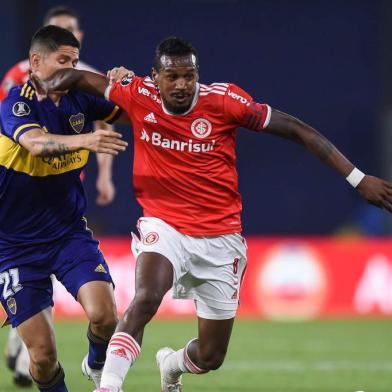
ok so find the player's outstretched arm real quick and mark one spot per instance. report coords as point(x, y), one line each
point(375, 190)
point(46, 144)
point(70, 79)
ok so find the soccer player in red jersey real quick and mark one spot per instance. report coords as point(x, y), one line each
point(186, 181)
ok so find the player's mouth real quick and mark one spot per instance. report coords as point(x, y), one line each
point(180, 97)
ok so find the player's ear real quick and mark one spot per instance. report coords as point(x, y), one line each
point(154, 74)
point(35, 61)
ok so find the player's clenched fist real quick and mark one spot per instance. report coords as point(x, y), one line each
point(108, 142)
point(117, 73)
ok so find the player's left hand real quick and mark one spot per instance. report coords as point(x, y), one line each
point(376, 191)
point(117, 73)
point(106, 190)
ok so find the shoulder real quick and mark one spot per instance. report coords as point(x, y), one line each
point(213, 89)
point(137, 87)
point(19, 69)
point(16, 75)
point(20, 98)
point(22, 66)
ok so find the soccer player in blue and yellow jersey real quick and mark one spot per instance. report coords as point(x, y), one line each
point(43, 148)
point(67, 18)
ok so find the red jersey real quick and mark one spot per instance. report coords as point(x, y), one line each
point(185, 165)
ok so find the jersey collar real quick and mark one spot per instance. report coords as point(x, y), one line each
point(193, 104)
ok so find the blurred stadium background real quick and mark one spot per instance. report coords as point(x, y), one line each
point(318, 256)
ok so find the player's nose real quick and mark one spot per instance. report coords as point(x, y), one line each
point(180, 84)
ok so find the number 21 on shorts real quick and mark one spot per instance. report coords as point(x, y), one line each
point(10, 281)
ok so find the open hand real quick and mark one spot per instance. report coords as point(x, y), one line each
point(376, 191)
point(108, 142)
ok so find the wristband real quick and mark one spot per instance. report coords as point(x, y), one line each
point(355, 177)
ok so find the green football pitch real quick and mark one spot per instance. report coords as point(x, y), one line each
point(318, 356)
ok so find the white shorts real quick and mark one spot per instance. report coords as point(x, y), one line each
point(208, 270)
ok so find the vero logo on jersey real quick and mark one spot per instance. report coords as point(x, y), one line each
point(148, 93)
point(150, 118)
point(156, 139)
point(237, 97)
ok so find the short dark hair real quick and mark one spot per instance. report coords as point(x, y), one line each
point(50, 38)
point(61, 10)
point(173, 46)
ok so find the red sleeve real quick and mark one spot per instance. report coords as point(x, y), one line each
point(240, 108)
point(121, 93)
point(14, 77)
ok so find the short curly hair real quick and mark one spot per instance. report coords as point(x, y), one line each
point(173, 46)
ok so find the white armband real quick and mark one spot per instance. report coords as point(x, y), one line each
point(355, 177)
point(107, 92)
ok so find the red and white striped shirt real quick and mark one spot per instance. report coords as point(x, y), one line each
point(185, 165)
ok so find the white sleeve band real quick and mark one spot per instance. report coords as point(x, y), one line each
point(107, 92)
point(355, 177)
point(268, 118)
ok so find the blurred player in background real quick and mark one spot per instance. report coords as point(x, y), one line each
point(67, 18)
point(185, 179)
point(43, 148)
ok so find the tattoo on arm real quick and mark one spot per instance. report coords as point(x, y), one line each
point(53, 149)
point(322, 147)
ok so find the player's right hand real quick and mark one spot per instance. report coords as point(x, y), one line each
point(117, 73)
point(108, 142)
point(376, 191)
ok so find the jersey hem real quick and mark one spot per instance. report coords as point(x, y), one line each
point(205, 233)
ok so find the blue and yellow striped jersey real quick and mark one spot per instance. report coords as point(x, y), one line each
point(42, 198)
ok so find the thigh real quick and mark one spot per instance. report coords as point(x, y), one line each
point(37, 332)
point(153, 275)
point(97, 295)
point(79, 262)
point(217, 265)
point(163, 242)
point(25, 291)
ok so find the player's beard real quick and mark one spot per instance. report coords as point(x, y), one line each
point(180, 102)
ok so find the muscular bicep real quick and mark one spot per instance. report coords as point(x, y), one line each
point(286, 126)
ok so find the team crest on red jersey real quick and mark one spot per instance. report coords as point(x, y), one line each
point(150, 238)
point(201, 128)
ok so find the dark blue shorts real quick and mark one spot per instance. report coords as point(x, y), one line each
point(25, 283)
